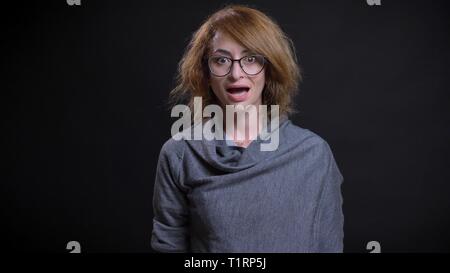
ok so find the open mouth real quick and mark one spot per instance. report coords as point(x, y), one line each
point(238, 94)
point(238, 90)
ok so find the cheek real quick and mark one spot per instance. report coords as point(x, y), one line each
point(216, 85)
point(260, 82)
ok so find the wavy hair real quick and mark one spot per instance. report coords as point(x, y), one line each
point(255, 31)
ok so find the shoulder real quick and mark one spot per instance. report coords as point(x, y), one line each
point(319, 153)
point(304, 137)
point(173, 148)
point(169, 160)
point(310, 146)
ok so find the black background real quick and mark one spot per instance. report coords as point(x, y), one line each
point(84, 115)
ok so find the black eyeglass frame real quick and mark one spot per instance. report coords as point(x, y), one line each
point(240, 64)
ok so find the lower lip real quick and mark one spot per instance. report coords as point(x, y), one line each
point(238, 97)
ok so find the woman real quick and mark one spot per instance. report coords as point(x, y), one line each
point(229, 195)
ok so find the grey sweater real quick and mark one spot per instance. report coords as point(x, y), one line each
point(210, 196)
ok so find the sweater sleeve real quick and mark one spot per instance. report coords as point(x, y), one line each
point(329, 221)
point(170, 205)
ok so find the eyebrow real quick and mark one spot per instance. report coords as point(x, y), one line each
point(223, 51)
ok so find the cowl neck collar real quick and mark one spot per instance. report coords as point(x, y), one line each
point(229, 158)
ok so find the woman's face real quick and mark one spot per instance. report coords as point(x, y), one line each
point(236, 87)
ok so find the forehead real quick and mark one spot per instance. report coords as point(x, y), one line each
point(222, 41)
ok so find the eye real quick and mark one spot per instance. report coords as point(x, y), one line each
point(250, 59)
point(221, 60)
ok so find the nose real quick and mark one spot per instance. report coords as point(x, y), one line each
point(236, 71)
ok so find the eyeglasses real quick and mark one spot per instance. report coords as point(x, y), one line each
point(220, 66)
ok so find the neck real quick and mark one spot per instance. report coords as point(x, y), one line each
point(245, 127)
